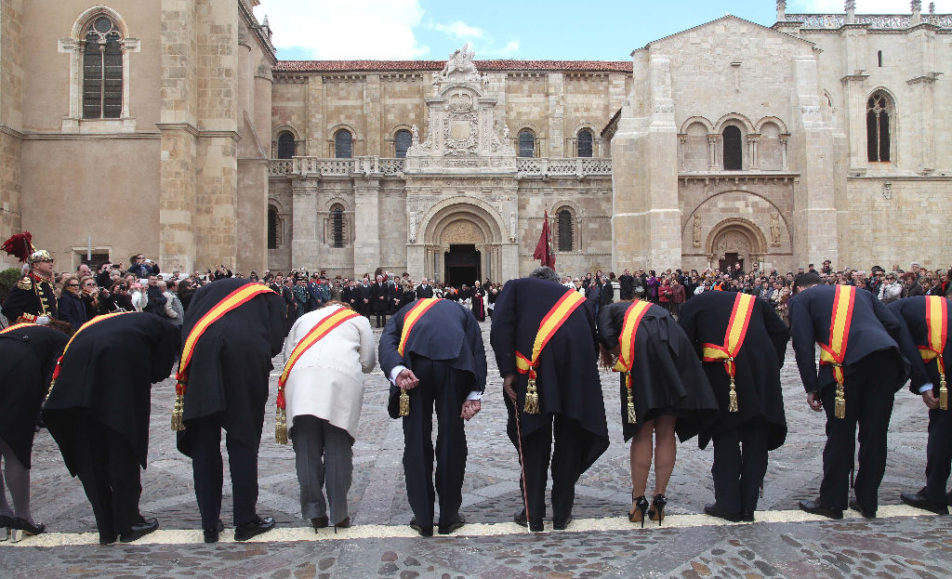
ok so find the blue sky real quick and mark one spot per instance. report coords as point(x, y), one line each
point(522, 29)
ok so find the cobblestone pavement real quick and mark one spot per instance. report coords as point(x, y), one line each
point(890, 546)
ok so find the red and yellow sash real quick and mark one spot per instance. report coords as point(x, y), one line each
point(733, 340)
point(240, 296)
point(835, 353)
point(937, 320)
point(59, 361)
point(321, 329)
point(626, 353)
point(411, 318)
point(16, 327)
point(551, 323)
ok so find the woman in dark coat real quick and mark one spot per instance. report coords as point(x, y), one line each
point(71, 307)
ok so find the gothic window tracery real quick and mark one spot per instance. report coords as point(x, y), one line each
point(526, 143)
point(879, 109)
point(102, 69)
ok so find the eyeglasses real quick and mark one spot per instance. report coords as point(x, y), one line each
point(72, 285)
point(89, 284)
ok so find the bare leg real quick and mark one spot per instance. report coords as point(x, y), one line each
point(641, 450)
point(665, 452)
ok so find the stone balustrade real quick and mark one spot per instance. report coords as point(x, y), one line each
point(525, 166)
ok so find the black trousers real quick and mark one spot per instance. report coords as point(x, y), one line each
point(939, 455)
point(869, 390)
point(740, 463)
point(444, 388)
point(205, 434)
point(109, 471)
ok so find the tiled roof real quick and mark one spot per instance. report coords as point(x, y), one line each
point(481, 65)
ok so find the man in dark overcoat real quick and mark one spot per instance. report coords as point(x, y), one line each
point(571, 409)
point(742, 439)
point(442, 365)
point(381, 294)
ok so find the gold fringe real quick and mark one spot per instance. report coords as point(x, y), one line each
point(177, 424)
point(839, 410)
point(281, 426)
point(943, 394)
point(404, 403)
point(732, 404)
point(632, 418)
point(532, 398)
point(49, 391)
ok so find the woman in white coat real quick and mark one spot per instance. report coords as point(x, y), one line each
point(323, 394)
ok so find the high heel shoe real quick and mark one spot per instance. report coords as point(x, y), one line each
point(641, 507)
point(21, 528)
point(6, 527)
point(657, 508)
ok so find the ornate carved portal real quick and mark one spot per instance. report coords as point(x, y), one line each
point(462, 243)
point(736, 241)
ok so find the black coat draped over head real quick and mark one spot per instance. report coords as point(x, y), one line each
point(228, 374)
point(666, 377)
point(704, 319)
point(567, 374)
point(107, 374)
point(27, 357)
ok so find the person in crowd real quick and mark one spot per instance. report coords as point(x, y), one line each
point(28, 353)
point(139, 268)
point(663, 391)
point(891, 289)
point(407, 293)
point(380, 297)
point(223, 384)
point(173, 310)
point(552, 390)
point(742, 343)
point(327, 351)
point(478, 297)
point(351, 296)
point(492, 292)
point(32, 299)
point(98, 412)
point(432, 351)
point(910, 285)
point(364, 290)
point(90, 295)
point(862, 366)
point(424, 290)
point(155, 301)
point(678, 296)
point(626, 283)
point(71, 307)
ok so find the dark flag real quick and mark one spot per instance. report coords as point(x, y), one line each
point(543, 250)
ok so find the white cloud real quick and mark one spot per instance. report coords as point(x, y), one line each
point(351, 29)
point(460, 30)
point(864, 6)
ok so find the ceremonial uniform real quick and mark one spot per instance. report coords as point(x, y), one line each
point(927, 318)
point(742, 433)
point(31, 298)
point(224, 384)
point(864, 354)
point(569, 391)
point(99, 406)
point(440, 342)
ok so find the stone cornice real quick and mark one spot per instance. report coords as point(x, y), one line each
point(11, 131)
point(739, 176)
point(139, 135)
point(201, 133)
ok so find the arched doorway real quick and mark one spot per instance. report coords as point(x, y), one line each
point(736, 241)
point(462, 242)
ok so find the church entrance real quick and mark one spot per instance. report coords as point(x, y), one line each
point(729, 260)
point(462, 265)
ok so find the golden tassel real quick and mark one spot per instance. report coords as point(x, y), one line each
point(281, 426)
point(943, 394)
point(177, 424)
point(839, 410)
point(732, 404)
point(404, 403)
point(632, 418)
point(532, 398)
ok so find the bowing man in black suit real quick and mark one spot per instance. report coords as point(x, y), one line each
point(913, 313)
point(569, 392)
point(440, 361)
point(874, 364)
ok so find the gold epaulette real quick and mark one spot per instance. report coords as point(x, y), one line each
point(25, 284)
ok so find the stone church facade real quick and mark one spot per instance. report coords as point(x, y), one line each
point(826, 136)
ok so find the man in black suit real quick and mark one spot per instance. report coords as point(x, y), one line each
point(381, 293)
point(424, 290)
point(860, 372)
point(441, 360)
point(925, 316)
point(351, 296)
point(570, 405)
point(743, 438)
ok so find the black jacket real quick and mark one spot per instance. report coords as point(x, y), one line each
point(424, 291)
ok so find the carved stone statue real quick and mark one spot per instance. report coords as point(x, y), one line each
point(411, 229)
point(512, 225)
point(697, 230)
point(460, 61)
point(775, 230)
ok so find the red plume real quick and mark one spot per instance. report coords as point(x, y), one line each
point(19, 246)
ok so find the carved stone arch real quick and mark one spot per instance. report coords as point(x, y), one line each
point(736, 235)
point(892, 97)
point(285, 128)
point(736, 119)
point(332, 136)
point(536, 136)
point(326, 217)
point(596, 137)
point(275, 138)
point(703, 121)
point(574, 242)
point(278, 204)
point(688, 220)
point(459, 207)
point(775, 120)
point(90, 14)
point(337, 201)
point(391, 137)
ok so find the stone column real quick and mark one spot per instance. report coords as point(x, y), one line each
point(854, 85)
point(304, 242)
point(712, 141)
point(367, 224)
point(11, 121)
point(555, 145)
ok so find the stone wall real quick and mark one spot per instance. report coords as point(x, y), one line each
point(11, 87)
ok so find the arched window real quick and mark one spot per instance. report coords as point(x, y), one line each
point(878, 113)
point(337, 226)
point(402, 140)
point(733, 149)
point(584, 142)
point(565, 230)
point(272, 227)
point(286, 145)
point(102, 69)
point(343, 144)
point(526, 143)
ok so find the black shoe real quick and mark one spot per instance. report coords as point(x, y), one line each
point(424, 531)
point(26, 526)
point(747, 516)
point(139, 530)
point(854, 504)
point(560, 524)
point(458, 523)
point(520, 519)
point(319, 523)
point(712, 510)
point(107, 539)
point(919, 500)
point(246, 531)
point(815, 508)
point(211, 535)
point(342, 524)
point(657, 508)
point(641, 510)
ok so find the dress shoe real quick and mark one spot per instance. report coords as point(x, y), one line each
point(919, 500)
point(343, 523)
point(251, 529)
point(815, 508)
point(458, 523)
point(107, 539)
point(712, 510)
point(854, 504)
point(319, 522)
point(747, 516)
point(424, 531)
point(139, 530)
point(211, 535)
point(560, 524)
point(535, 526)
